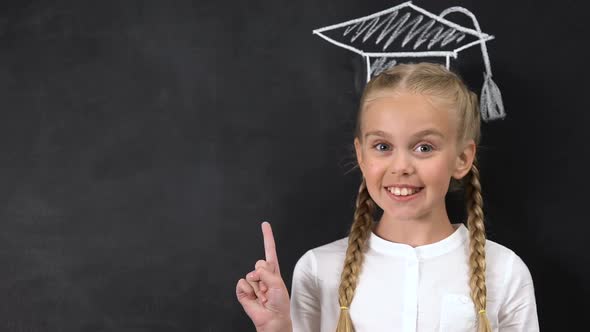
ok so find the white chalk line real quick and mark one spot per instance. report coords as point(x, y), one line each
point(383, 12)
point(412, 54)
point(466, 46)
point(381, 64)
point(453, 53)
point(491, 105)
point(400, 6)
point(337, 43)
point(371, 26)
point(463, 29)
point(469, 14)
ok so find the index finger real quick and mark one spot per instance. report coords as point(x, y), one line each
point(270, 250)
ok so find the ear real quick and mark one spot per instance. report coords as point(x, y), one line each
point(359, 152)
point(464, 160)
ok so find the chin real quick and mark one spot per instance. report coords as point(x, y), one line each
point(403, 217)
point(399, 214)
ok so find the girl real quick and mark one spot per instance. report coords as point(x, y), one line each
point(417, 132)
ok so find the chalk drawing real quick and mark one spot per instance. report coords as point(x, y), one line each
point(408, 31)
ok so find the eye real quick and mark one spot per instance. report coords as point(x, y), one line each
point(381, 147)
point(425, 148)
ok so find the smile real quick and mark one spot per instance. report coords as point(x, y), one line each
point(401, 192)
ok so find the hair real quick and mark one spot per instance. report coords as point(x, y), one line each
point(436, 81)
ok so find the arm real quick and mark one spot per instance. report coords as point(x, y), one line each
point(305, 295)
point(518, 312)
point(263, 293)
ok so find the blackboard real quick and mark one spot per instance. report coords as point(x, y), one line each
point(143, 142)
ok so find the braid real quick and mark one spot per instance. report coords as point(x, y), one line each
point(357, 241)
point(477, 256)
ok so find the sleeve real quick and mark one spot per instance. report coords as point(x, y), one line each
point(305, 294)
point(518, 312)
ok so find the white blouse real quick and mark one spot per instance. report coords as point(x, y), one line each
point(408, 289)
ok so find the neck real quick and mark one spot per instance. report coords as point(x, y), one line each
point(415, 232)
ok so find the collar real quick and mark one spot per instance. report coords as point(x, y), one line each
point(453, 241)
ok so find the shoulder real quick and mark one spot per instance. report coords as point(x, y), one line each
point(511, 288)
point(337, 247)
point(508, 266)
point(324, 253)
point(321, 257)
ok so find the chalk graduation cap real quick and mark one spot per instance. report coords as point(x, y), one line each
point(408, 31)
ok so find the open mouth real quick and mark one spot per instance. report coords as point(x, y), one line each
point(403, 192)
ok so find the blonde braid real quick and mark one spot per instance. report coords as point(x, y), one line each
point(357, 242)
point(477, 256)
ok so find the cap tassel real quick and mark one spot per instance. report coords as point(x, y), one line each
point(491, 105)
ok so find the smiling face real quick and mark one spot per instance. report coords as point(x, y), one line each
point(408, 151)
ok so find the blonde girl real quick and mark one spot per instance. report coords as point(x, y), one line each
point(416, 138)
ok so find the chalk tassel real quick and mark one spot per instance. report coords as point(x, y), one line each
point(491, 106)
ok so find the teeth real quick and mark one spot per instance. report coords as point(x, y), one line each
point(402, 191)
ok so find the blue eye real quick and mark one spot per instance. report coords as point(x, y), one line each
point(381, 147)
point(425, 148)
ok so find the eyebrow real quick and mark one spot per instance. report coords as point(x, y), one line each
point(422, 133)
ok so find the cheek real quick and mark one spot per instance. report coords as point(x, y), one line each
point(372, 170)
point(374, 173)
point(374, 178)
point(438, 171)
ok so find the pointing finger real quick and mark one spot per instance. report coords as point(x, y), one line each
point(269, 246)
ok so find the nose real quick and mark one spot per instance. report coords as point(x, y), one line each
point(401, 164)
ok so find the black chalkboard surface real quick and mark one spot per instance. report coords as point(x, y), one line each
point(143, 142)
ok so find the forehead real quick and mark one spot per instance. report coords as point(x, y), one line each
point(403, 112)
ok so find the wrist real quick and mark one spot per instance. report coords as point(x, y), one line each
point(283, 326)
point(289, 326)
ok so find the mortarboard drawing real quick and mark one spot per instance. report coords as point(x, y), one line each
point(408, 31)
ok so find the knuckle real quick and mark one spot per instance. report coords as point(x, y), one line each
point(253, 287)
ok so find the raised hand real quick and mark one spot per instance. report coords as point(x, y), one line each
point(263, 293)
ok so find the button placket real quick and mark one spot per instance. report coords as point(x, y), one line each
point(411, 292)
